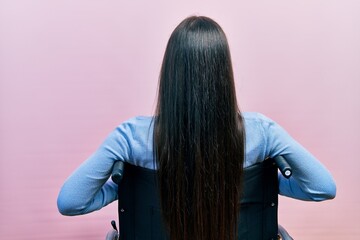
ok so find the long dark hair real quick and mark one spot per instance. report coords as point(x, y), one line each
point(198, 134)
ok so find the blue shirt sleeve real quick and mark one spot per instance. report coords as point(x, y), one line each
point(310, 180)
point(88, 188)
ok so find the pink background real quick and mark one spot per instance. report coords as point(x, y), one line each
point(70, 71)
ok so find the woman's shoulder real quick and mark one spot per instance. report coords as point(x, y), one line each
point(256, 125)
point(141, 124)
point(139, 120)
point(250, 118)
point(136, 123)
point(256, 118)
point(137, 127)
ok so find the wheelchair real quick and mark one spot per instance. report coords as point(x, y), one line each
point(139, 204)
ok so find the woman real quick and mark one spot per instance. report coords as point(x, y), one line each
point(198, 141)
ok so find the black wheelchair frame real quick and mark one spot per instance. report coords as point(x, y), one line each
point(139, 208)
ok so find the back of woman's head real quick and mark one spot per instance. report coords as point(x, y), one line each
point(199, 134)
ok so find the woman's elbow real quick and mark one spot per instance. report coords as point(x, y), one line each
point(331, 191)
point(328, 192)
point(64, 207)
point(67, 206)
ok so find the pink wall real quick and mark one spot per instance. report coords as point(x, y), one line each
point(70, 71)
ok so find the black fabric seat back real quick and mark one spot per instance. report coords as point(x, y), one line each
point(140, 214)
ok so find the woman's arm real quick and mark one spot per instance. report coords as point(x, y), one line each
point(88, 188)
point(310, 180)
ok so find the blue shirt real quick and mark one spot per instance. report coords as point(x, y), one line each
point(89, 188)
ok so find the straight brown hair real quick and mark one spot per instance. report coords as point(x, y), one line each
point(199, 134)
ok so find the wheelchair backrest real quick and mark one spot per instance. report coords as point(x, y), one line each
point(140, 212)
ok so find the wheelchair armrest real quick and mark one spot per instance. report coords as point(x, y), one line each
point(117, 172)
point(283, 166)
